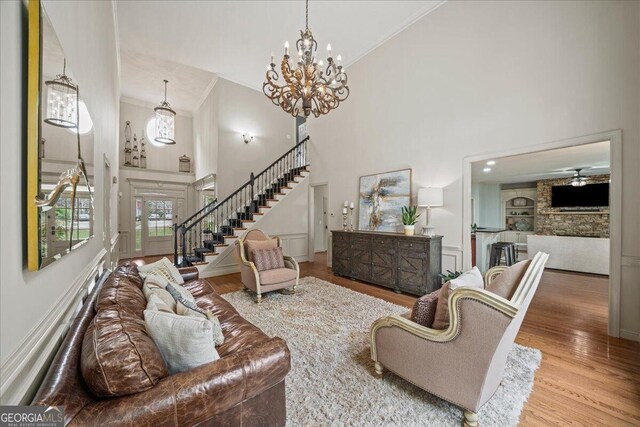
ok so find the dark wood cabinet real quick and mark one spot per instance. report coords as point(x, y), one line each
point(408, 264)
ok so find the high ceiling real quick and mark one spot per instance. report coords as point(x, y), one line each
point(594, 159)
point(234, 39)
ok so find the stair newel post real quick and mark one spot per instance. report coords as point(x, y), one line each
point(175, 244)
point(251, 180)
point(183, 238)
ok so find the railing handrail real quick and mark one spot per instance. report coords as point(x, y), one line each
point(280, 158)
point(235, 202)
point(246, 184)
point(200, 211)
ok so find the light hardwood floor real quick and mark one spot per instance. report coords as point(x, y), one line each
point(586, 377)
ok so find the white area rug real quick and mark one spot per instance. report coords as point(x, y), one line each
point(332, 383)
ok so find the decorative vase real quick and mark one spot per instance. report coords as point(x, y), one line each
point(127, 144)
point(136, 160)
point(143, 153)
point(409, 230)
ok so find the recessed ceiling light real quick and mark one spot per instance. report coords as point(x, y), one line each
point(491, 162)
point(486, 170)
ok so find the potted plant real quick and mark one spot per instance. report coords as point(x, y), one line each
point(409, 219)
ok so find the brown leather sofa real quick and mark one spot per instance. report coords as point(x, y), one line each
point(244, 387)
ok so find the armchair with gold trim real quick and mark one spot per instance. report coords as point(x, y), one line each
point(268, 280)
point(464, 363)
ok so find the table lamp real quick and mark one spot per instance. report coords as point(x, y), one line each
point(430, 197)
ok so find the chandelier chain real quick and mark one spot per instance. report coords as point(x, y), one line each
point(306, 14)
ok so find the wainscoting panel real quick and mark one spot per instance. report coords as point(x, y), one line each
point(451, 258)
point(24, 370)
point(125, 246)
point(295, 245)
point(630, 272)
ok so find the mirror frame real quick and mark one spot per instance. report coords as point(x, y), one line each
point(34, 68)
point(34, 170)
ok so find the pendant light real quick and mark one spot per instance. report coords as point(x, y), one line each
point(165, 121)
point(62, 101)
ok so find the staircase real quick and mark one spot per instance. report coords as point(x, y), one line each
point(211, 231)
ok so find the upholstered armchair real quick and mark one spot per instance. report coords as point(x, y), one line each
point(464, 363)
point(267, 280)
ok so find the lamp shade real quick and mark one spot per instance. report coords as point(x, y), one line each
point(430, 196)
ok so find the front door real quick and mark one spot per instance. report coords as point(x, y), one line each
point(157, 216)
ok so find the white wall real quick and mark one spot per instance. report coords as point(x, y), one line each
point(488, 205)
point(163, 158)
point(479, 77)
point(231, 109)
point(86, 32)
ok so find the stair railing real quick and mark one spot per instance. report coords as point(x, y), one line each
point(208, 227)
point(207, 207)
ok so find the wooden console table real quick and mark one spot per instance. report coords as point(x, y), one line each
point(408, 264)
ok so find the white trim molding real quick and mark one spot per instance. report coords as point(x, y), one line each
point(25, 368)
point(615, 224)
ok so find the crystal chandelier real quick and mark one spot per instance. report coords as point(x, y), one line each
point(308, 87)
point(578, 180)
point(62, 100)
point(165, 121)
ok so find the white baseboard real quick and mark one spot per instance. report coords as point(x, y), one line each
point(25, 368)
point(630, 335)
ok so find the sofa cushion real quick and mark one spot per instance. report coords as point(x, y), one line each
point(469, 279)
point(252, 245)
point(163, 268)
point(118, 356)
point(277, 275)
point(118, 290)
point(424, 309)
point(239, 334)
point(507, 282)
point(268, 259)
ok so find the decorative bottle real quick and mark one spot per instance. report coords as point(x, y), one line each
point(136, 159)
point(143, 153)
point(127, 144)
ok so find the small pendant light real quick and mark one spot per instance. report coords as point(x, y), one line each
point(62, 101)
point(165, 121)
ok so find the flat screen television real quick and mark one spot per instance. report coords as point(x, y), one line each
point(589, 196)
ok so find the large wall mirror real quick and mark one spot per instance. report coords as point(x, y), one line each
point(59, 137)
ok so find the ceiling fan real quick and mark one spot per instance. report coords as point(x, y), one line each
point(578, 180)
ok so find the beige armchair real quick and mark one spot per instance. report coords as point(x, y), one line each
point(268, 280)
point(464, 363)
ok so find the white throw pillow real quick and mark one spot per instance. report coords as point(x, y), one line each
point(469, 279)
point(185, 342)
point(163, 268)
point(150, 289)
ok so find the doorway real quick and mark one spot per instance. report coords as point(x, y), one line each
point(320, 202)
point(318, 218)
point(514, 197)
point(106, 221)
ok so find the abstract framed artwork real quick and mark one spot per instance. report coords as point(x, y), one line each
point(381, 198)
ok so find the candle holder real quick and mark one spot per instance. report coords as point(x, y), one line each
point(351, 218)
point(344, 221)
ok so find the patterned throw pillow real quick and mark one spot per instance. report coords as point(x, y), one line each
point(424, 310)
point(251, 246)
point(268, 259)
point(163, 268)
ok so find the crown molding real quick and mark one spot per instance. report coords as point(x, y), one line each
point(146, 104)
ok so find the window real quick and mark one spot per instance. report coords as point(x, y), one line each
point(159, 218)
point(81, 222)
point(138, 244)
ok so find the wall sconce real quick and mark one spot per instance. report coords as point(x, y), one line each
point(247, 137)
